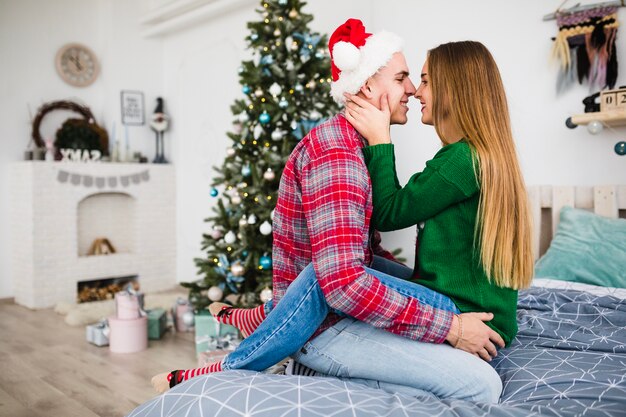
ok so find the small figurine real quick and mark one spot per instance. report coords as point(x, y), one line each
point(159, 123)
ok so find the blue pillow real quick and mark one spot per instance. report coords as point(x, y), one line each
point(586, 248)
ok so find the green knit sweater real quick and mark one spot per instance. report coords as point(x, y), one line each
point(443, 201)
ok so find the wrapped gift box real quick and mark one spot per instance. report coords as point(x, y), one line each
point(157, 323)
point(181, 307)
point(128, 305)
point(98, 334)
point(209, 331)
point(128, 336)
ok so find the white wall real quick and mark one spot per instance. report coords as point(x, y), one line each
point(200, 82)
point(31, 32)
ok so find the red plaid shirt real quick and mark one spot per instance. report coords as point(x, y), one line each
point(323, 216)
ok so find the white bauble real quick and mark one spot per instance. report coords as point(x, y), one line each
point(258, 131)
point(243, 117)
point(230, 237)
point(243, 221)
point(269, 174)
point(277, 134)
point(594, 127)
point(258, 92)
point(215, 293)
point(237, 269)
point(315, 115)
point(252, 219)
point(230, 151)
point(275, 89)
point(272, 215)
point(235, 199)
point(265, 228)
point(188, 318)
point(266, 295)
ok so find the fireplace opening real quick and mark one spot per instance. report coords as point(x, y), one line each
point(104, 288)
point(106, 224)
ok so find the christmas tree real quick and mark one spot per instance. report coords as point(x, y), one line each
point(286, 88)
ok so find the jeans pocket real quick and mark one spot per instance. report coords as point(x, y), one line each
point(317, 359)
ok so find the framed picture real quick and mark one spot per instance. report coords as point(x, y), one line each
point(132, 108)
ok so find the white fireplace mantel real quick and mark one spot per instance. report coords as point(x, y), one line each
point(183, 14)
point(46, 261)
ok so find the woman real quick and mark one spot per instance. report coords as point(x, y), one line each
point(474, 250)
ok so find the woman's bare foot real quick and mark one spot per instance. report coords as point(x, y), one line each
point(160, 382)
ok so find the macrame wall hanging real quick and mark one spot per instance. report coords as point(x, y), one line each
point(585, 47)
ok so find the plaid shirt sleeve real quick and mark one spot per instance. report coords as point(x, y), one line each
point(335, 189)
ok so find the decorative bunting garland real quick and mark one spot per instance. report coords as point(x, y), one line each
point(101, 181)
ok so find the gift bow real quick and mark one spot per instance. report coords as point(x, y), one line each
point(224, 269)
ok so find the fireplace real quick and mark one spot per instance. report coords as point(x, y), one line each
point(103, 289)
point(58, 210)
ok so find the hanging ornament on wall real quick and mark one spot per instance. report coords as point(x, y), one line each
point(215, 293)
point(265, 228)
point(265, 295)
point(269, 174)
point(188, 318)
point(230, 237)
point(594, 127)
point(620, 148)
point(265, 262)
point(214, 192)
point(237, 269)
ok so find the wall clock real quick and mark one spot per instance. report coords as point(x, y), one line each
point(77, 65)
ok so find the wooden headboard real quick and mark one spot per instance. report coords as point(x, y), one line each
point(546, 203)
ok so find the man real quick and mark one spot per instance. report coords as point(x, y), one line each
point(323, 216)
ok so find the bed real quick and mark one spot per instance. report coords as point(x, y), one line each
point(568, 359)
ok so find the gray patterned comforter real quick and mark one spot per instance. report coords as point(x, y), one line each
point(569, 359)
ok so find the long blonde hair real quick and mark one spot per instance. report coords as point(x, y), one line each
point(467, 91)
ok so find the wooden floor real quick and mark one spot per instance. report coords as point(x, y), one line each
point(48, 369)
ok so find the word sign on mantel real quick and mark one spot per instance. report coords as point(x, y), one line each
point(80, 155)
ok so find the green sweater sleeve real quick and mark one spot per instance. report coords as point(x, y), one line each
point(447, 179)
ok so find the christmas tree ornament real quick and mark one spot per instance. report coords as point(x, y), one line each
point(265, 262)
point(267, 60)
point(299, 88)
point(272, 215)
point(277, 134)
point(282, 2)
point(237, 269)
point(254, 36)
point(217, 233)
point(188, 318)
point(293, 125)
point(277, 32)
point(245, 170)
point(240, 69)
point(293, 13)
point(258, 131)
point(236, 199)
point(319, 54)
point(315, 115)
point(283, 103)
point(289, 65)
point(246, 89)
point(620, 148)
point(258, 92)
point(252, 219)
point(275, 89)
point(215, 293)
point(266, 295)
point(269, 174)
point(237, 128)
point(243, 116)
point(264, 118)
point(265, 228)
point(230, 237)
point(230, 151)
point(214, 192)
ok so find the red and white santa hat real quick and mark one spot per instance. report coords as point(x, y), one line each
point(356, 55)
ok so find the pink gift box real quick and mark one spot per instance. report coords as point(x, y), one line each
point(128, 336)
point(127, 306)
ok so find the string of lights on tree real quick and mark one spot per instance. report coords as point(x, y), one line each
point(285, 89)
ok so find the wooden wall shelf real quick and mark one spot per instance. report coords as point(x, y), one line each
point(609, 118)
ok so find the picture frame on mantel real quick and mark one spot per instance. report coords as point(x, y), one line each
point(132, 108)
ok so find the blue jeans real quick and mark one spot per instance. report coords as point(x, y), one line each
point(376, 359)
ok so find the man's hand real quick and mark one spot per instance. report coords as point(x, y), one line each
point(475, 336)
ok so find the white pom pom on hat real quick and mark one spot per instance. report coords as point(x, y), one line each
point(357, 55)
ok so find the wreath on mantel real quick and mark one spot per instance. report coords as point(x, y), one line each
point(75, 133)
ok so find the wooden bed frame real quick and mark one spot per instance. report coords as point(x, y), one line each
point(547, 201)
